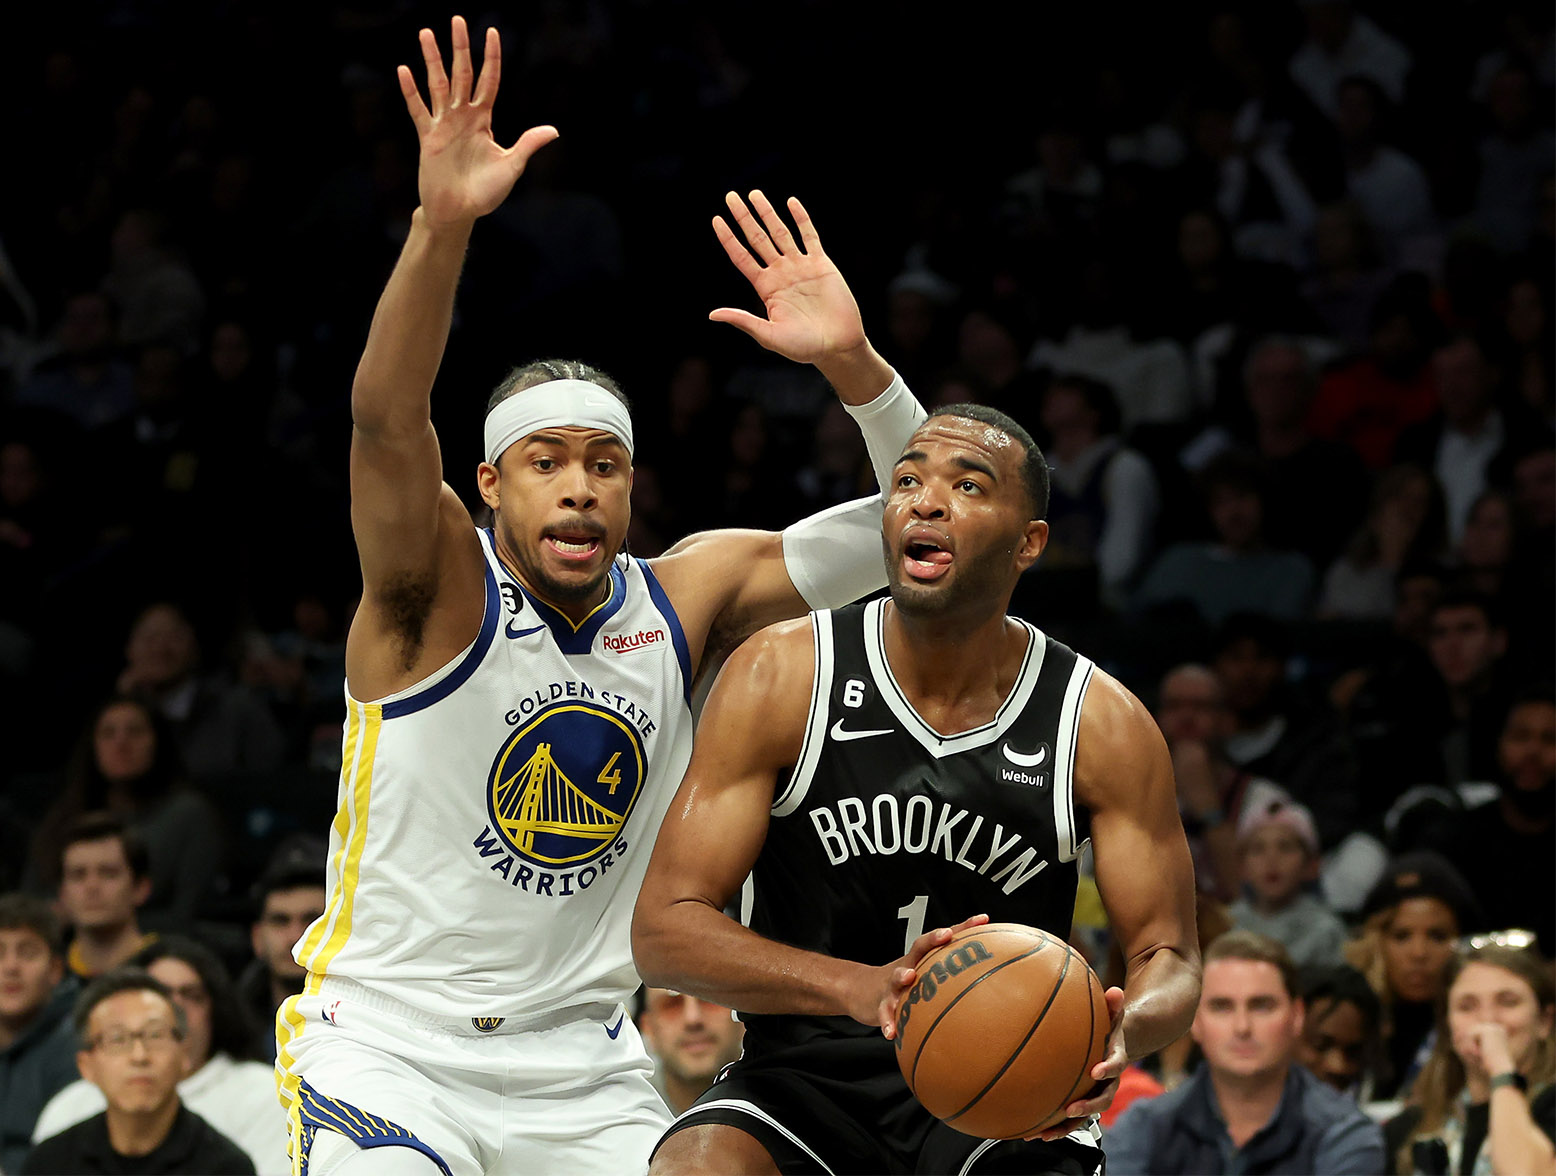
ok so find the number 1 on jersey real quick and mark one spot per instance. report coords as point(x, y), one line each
point(914, 913)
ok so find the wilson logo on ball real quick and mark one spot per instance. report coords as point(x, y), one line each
point(923, 991)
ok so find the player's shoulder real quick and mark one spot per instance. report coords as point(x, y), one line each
point(1118, 743)
point(777, 649)
point(1112, 711)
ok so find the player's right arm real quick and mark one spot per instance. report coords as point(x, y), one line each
point(421, 561)
point(751, 729)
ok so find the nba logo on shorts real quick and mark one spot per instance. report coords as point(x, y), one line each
point(330, 1011)
point(564, 784)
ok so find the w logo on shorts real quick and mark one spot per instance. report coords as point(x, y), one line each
point(487, 1024)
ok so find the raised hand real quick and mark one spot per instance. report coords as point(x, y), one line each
point(464, 173)
point(811, 314)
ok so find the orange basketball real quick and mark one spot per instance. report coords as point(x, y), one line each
point(1001, 1029)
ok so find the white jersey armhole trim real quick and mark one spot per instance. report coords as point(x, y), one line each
point(793, 792)
point(756, 1112)
point(1064, 759)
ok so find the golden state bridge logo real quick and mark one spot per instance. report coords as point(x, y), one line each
point(564, 784)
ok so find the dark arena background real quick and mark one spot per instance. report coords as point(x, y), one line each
point(1307, 301)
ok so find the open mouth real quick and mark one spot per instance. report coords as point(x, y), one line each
point(924, 557)
point(572, 546)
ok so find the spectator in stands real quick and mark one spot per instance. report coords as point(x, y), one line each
point(1467, 438)
point(220, 727)
point(127, 763)
point(1486, 1099)
point(1347, 277)
point(1341, 43)
point(131, 1048)
point(1236, 572)
point(1281, 735)
point(1515, 156)
point(1249, 1108)
point(1466, 644)
point(1213, 793)
point(161, 298)
point(224, 1085)
point(1341, 1028)
point(691, 1040)
point(1531, 343)
point(104, 879)
point(1365, 403)
point(1103, 499)
point(1307, 478)
point(1412, 919)
point(1490, 540)
point(1404, 525)
point(86, 379)
point(291, 896)
point(1279, 847)
point(1389, 185)
point(37, 1046)
point(1502, 844)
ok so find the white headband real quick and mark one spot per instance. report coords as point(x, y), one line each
point(575, 404)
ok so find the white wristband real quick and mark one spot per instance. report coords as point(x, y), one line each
point(887, 422)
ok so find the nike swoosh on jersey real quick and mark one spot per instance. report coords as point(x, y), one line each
point(512, 632)
point(1023, 760)
point(615, 1030)
point(843, 736)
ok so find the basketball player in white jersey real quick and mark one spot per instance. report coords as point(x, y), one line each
point(519, 707)
point(917, 761)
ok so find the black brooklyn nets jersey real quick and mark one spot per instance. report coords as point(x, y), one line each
point(886, 828)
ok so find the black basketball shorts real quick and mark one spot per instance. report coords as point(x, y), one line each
point(839, 1106)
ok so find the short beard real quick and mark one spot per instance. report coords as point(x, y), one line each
point(980, 577)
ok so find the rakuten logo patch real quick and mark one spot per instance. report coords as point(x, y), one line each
point(633, 642)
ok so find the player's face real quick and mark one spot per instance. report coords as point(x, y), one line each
point(190, 994)
point(282, 921)
point(1275, 863)
point(1483, 993)
point(1417, 944)
point(694, 1038)
point(124, 742)
point(97, 887)
point(562, 499)
point(958, 527)
point(28, 973)
point(134, 1056)
point(1334, 1043)
point(1247, 1024)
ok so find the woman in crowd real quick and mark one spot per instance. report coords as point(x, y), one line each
point(127, 763)
point(1404, 524)
point(1412, 918)
point(1485, 1100)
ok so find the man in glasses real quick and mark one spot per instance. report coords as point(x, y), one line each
point(132, 1034)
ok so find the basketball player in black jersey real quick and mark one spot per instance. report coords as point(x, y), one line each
point(898, 765)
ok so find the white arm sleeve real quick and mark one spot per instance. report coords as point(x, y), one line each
point(887, 422)
point(835, 557)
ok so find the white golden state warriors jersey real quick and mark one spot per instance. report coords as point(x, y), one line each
point(496, 819)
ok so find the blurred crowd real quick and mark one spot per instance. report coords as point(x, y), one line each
point(1270, 282)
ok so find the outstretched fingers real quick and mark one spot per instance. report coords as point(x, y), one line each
point(464, 72)
point(437, 80)
point(532, 141)
point(413, 103)
point(737, 252)
point(491, 72)
point(773, 223)
point(807, 229)
point(761, 244)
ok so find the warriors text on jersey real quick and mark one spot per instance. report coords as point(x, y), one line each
point(886, 828)
point(496, 819)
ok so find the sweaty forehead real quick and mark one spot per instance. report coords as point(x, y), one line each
point(952, 432)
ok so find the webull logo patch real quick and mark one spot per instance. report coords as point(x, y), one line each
point(632, 642)
point(927, 985)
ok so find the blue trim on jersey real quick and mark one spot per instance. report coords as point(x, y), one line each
point(570, 639)
point(321, 1112)
point(460, 673)
point(667, 610)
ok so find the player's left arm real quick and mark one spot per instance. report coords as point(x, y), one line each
point(745, 580)
point(1123, 777)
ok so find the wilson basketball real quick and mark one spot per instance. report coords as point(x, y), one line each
point(1001, 1029)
